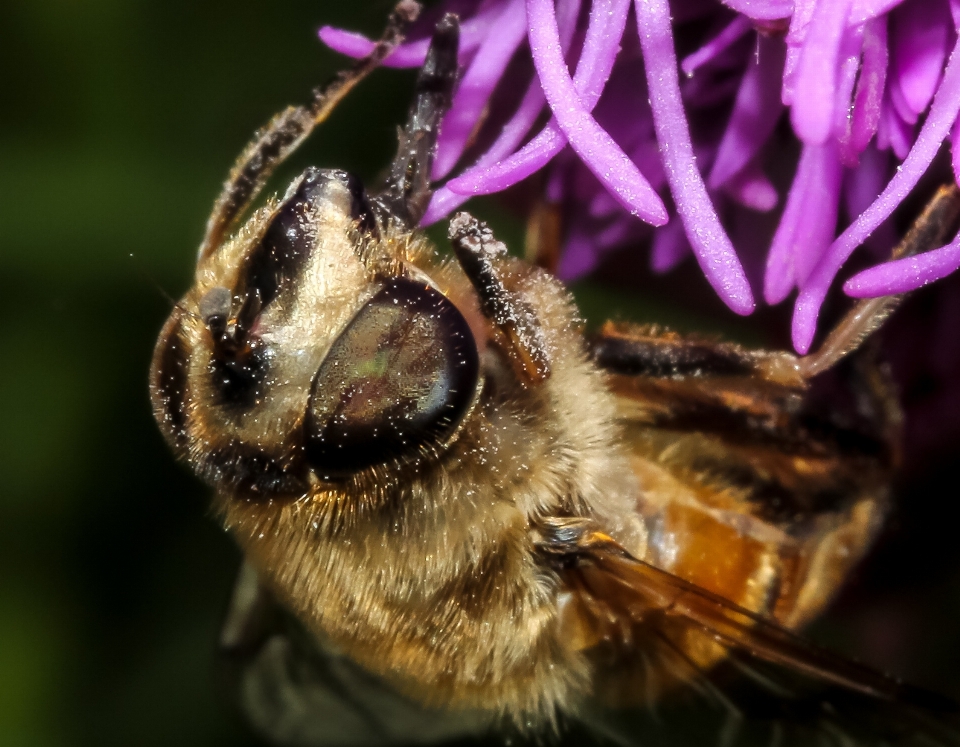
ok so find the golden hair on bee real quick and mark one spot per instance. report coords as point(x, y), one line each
point(456, 508)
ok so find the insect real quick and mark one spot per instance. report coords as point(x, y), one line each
point(457, 510)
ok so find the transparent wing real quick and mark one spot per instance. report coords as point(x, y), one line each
point(687, 662)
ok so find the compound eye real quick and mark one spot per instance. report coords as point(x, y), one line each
point(395, 384)
point(283, 252)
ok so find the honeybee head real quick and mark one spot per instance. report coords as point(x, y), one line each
point(308, 350)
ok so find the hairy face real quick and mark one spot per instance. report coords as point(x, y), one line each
point(308, 350)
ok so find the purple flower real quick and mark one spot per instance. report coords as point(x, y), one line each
point(872, 88)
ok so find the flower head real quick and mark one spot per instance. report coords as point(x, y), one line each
point(635, 147)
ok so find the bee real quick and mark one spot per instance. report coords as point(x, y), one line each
point(458, 510)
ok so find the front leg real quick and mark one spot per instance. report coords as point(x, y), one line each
point(479, 254)
point(936, 222)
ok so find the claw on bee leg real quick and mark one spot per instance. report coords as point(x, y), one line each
point(479, 254)
point(936, 222)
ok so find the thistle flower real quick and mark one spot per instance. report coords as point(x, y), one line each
point(639, 152)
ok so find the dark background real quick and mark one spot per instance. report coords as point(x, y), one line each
point(118, 122)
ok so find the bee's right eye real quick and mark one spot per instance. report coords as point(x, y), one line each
point(394, 385)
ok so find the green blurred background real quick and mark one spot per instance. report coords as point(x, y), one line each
point(119, 121)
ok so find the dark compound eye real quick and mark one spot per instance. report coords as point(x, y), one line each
point(168, 381)
point(273, 269)
point(293, 234)
point(399, 379)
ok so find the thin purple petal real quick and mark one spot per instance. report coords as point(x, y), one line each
point(559, 175)
point(900, 104)
point(943, 113)
point(808, 221)
point(955, 150)
point(600, 49)
point(444, 200)
point(893, 133)
point(349, 43)
point(820, 207)
point(590, 141)
point(710, 243)
point(579, 256)
point(796, 35)
point(873, 75)
point(709, 89)
point(850, 51)
point(605, 29)
point(919, 48)
point(865, 10)
point(902, 275)
point(883, 125)
point(505, 173)
point(755, 112)
point(751, 188)
point(670, 246)
point(442, 203)
point(412, 54)
point(602, 205)
point(780, 275)
point(762, 10)
point(352, 44)
point(861, 187)
point(815, 94)
point(734, 31)
point(617, 233)
point(476, 85)
point(568, 13)
point(648, 157)
point(899, 133)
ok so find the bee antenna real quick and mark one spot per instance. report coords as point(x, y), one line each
point(407, 192)
point(174, 303)
point(152, 281)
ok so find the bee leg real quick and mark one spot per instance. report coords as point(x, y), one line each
point(937, 220)
point(479, 253)
point(283, 134)
point(407, 192)
point(864, 374)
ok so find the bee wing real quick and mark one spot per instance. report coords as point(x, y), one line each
point(668, 640)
